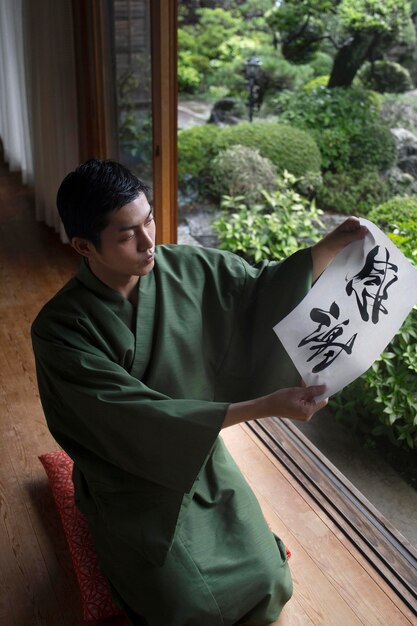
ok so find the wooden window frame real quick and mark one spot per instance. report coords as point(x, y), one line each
point(96, 111)
point(164, 26)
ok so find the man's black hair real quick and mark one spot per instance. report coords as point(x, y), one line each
point(88, 195)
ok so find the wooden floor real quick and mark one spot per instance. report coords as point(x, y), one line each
point(333, 584)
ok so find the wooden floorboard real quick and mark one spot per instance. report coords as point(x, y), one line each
point(333, 583)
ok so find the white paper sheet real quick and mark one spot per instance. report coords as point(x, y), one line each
point(351, 313)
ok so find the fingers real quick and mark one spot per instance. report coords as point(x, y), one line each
point(314, 391)
point(353, 226)
point(320, 405)
point(312, 406)
point(351, 223)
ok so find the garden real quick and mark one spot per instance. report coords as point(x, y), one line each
point(313, 114)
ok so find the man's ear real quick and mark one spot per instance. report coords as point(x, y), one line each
point(83, 246)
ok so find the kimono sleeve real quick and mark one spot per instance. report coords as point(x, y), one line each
point(105, 418)
point(257, 363)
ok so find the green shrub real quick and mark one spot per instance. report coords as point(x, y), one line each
point(390, 215)
point(274, 229)
point(288, 148)
point(384, 400)
point(188, 79)
point(239, 170)
point(319, 81)
point(352, 192)
point(405, 238)
point(385, 76)
point(197, 147)
point(322, 64)
point(344, 123)
point(373, 146)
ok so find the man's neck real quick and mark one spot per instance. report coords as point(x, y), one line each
point(125, 285)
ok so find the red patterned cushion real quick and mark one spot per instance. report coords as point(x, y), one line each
point(96, 599)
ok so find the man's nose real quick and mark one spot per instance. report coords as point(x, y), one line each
point(145, 240)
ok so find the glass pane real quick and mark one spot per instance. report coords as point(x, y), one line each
point(220, 51)
point(132, 41)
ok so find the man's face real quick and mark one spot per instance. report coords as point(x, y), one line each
point(127, 243)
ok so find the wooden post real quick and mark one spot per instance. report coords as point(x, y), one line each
point(164, 115)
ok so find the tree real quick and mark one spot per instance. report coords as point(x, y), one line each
point(359, 30)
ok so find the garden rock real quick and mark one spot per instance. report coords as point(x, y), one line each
point(225, 111)
point(406, 143)
point(400, 182)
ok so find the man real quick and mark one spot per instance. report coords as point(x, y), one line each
point(142, 358)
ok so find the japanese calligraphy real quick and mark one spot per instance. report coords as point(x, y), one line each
point(370, 285)
point(325, 339)
point(351, 313)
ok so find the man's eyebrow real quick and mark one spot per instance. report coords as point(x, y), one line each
point(122, 229)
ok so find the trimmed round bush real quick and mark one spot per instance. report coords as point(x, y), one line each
point(242, 171)
point(288, 148)
point(394, 212)
point(196, 148)
point(386, 76)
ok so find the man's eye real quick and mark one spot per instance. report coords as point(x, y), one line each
point(127, 237)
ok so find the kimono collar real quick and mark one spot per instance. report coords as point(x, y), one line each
point(114, 299)
point(94, 284)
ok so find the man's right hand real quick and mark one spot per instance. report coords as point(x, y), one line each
point(296, 403)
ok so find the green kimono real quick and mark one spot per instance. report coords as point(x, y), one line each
point(137, 397)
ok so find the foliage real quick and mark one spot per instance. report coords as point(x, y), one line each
point(135, 134)
point(375, 16)
point(384, 400)
point(405, 237)
point(315, 83)
point(288, 148)
point(239, 170)
point(322, 63)
point(188, 78)
point(213, 46)
point(344, 124)
point(391, 214)
point(197, 147)
point(372, 146)
point(135, 127)
point(274, 229)
point(385, 76)
point(278, 74)
point(352, 192)
point(359, 29)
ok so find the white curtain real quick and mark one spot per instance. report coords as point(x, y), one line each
point(14, 118)
point(49, 52)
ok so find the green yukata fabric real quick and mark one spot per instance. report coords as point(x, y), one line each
point(137, 397)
